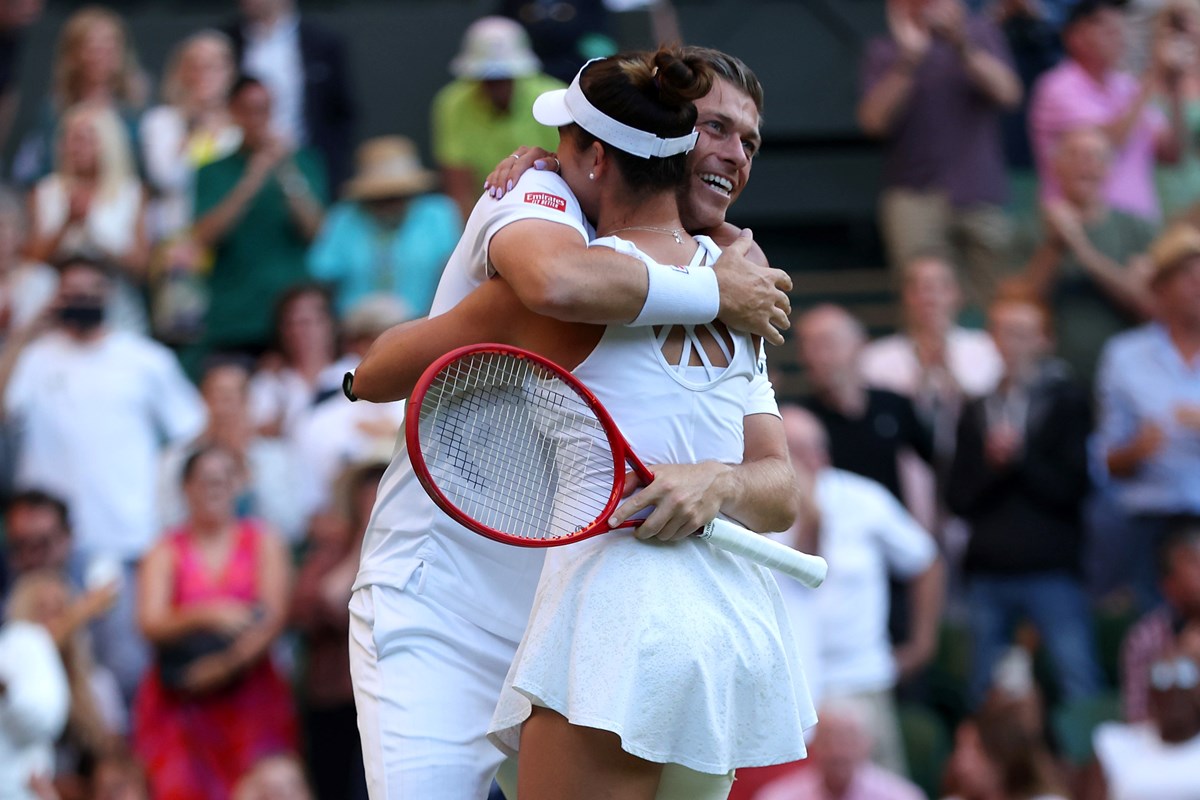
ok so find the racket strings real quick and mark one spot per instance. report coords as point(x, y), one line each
point(515, 447)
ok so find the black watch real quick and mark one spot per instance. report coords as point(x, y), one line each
point(348, 387)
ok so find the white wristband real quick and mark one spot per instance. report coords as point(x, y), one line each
point(679, 295)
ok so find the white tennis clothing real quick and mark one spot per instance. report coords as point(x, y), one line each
point(1138, 765)
point(681, 649)
point(437, 610)
point(486, 582)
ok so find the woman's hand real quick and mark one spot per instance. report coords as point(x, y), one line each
point(229, 617)
point(685, 497)
point(506, 174)
point(210, 672)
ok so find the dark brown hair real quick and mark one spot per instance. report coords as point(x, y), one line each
point(651, 92)
point(730, 68)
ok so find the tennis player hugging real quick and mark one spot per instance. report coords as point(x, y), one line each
point(637, 666)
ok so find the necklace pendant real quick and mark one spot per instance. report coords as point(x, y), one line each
point(675, 233)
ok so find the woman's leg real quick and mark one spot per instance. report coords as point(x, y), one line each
point(560, 760)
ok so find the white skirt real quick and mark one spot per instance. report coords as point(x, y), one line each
point(681, 649)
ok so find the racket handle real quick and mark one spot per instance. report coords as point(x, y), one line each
point(809, 570)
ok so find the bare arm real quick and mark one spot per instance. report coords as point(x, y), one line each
point(211, 228)
point(927, 593)
point(42, 247)
point(558, 276)
point(884, 101)
point(303, 205)
point(759, 492)
point(274, 589)
point(160, 623)
point(992, 76)
point(1043, 266)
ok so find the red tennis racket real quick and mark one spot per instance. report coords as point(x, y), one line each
point(514, 447)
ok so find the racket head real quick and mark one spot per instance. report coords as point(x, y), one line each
point(512, 446)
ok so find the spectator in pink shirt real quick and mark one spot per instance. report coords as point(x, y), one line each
point(840, 767)
point(1089, 90)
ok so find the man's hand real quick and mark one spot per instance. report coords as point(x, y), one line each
point(685, 497)
point(911, 35)
point(1002, 446)
point(753, 297)
point(506, 174)
point(913, 656)
point(1063, 224)
point(947, 20)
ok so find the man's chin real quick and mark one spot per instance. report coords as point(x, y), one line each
point(705, 211)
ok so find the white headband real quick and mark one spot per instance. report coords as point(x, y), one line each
point(563, 106)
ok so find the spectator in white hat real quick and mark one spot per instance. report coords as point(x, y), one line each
point(487, 111)
point(390, 233)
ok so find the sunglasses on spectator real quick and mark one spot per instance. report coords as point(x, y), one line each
point(1175, 673)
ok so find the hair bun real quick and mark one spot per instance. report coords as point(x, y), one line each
point(679, 79)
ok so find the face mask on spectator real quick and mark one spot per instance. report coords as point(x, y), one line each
point(81, 314)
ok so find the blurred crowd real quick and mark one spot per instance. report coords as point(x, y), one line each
point(1007, 488)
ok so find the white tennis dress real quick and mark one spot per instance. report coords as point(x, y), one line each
point(681, 649)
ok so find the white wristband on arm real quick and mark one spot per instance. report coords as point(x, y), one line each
point(679, 295)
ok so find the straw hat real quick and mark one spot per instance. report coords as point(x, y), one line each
point(1178, 245)
point(388, 166)
point(373, 315)
point(494, 48)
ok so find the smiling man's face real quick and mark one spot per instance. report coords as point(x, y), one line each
point(719, 166)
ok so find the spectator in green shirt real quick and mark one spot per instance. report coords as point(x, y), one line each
point(487, 112)
point(1085, 263)
point(257, 210)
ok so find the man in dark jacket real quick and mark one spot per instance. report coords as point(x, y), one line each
point(304, 66)
point(1020, 477)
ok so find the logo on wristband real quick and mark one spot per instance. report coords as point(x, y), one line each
point(547, 200)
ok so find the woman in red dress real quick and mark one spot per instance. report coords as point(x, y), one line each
point(213, 596)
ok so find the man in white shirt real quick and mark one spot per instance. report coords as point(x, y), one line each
point(93, 409)
point(865, 535)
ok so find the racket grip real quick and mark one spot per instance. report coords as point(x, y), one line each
point(808, 569)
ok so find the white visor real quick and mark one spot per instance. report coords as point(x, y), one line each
point(564, 106)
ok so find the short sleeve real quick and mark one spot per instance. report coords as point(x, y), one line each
point(177, 406)
point(210, 188)
point(21, 392)
point(761, 397)
point(987, 35)
point(879, 57)
point(908, 548)
point(537, 195)
point(1118, 417)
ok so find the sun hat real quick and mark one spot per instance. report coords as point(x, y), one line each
point(494, 48)
point(560, 107)
point(1178, 245)
point(388, 166)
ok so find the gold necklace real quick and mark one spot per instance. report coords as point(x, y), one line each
point(669, 231)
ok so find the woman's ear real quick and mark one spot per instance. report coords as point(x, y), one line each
point(599, 159)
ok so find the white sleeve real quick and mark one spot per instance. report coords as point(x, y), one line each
point(21, 392)
point(161, 133)
point(908, 548)
point(537, 195)
point(33, 709)
point(180, 412)
point(761, 398)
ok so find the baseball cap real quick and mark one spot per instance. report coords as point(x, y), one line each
point(494, 48)
point(560, 107)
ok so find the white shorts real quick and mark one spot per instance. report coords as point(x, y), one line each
point(426, 682)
